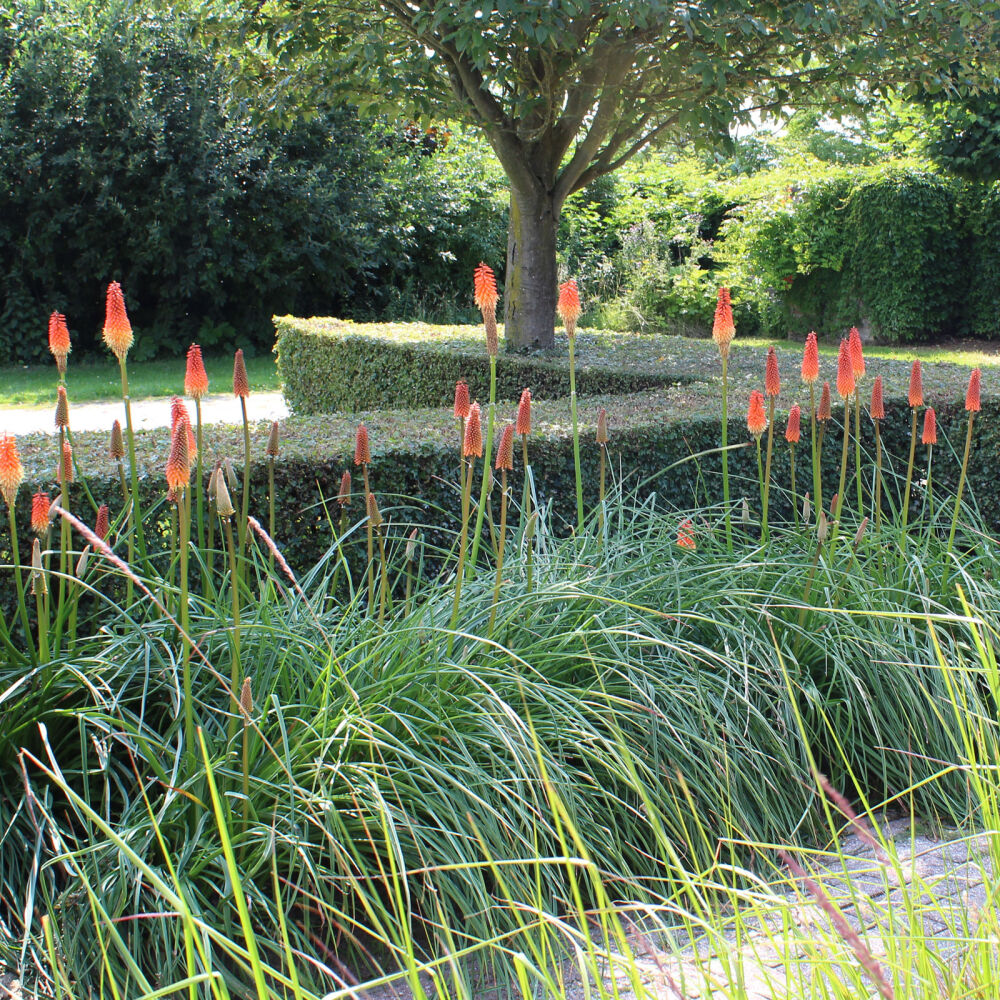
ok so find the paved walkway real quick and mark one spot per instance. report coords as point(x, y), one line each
point(220, 408)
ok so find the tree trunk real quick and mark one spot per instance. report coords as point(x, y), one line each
point(531, 291)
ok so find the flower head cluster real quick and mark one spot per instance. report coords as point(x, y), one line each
point(569, 305)
point(930, 427)
point(362, 450)
point(472, 446)
point(40, 505)
point(241, 384)
point(845, 371)
point(723, 328)
point(857, 352)
point(505, 449)
point(972, 393)
point(59, 344)
point(523, 423)
point(195, 376)
point(462, 402)
point(793, 432)
point(915, 397)
point(810, 360)
point(878, 404)
point(117, 328)
point(602, 427)
point(756, 417)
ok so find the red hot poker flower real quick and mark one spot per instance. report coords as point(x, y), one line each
point(523, 424)
point(505, 449)
point(723, 328)
point(195, 376)
point(344, 493)
point(272, 441)
point(59, 344)
point(40, 504)
point(930, 427)
point(178, 470)
point(878, 405)
point(62, 407)
point(810, 360)
point(117, 447)
point(685, 535)
point(772, 382)
point(972, 393)
point(178, 412)
point(824, 411)
point(362, 451)
point(462, 402)
point(845, 371)
point(916, 393)
point(793, 431)
point(756, 417)
point(102, 526)
point(602, 427)
point(67, 463)
point(117, 328)
point(473, 444)
point(857, 352)
point(569, 305)
point(485, 288)
point(241, 384)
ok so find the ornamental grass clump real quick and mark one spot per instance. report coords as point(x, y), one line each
point(723, 332)
point(972, 407)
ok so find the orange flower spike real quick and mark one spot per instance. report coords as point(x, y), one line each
point(857, 352)
point(602, 427)
point(344, 493)
point(972, 393)
point(40, 505)
point(59, 344)
point(756, 417)
point(723, 328)
point(67, 463)
point(810, 360)
point(102, 526)
point(793, 432)
point(523, 424)
point(473, 444)
point(179, 412)
point(485, 288)
point(362, 451)
point(117, 447)
point(930, 427)
point(569, 305)
point(462, 403)
point(505, 449)
point(916, 393)
point(824, 411)
point(685, 535)
point(845, 371)
point(241, 384)
point(195, 376)
point(878, 405)
point(178, 471)
point(62, 407)
point(772, 381)
point(117, 328)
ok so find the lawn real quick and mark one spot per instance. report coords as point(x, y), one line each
point(96, 381)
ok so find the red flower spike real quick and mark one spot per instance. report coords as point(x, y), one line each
point(344, 493)
point(102, 526)
point(810, 360)
point(772, 382)
point(117, 447)
point(485, 288)
point(362, 451)
point(685, 535)
point(117, 328)
point(462, 402)
point(505, 449)
point(915, 396)
point(569, 305)
point(723, 328)
point(523, 423)
point(972, 393)
point(179, 412)
point(602, 427)
point(67, 463)
point(857, 352)
point(241, 384)
point(195, 376)
point(824, 411)
point(59, 344)
point(845, 371)
point(178, 470)
point(930, 427)
point(878, 406)
point(793, 432)
point(756, 417)
point(40, 505)
point(62, 407)
point(473, 444)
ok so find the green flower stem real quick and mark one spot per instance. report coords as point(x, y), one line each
point(370, 572)
point(857, 449)
point(725, 452)
point(526, 500)
point(123, 481)
point(961, 483)
point(819, 481)
point(42, 606)
point(64, 545)
point(600, 508)
point(795, 499)
point(200, 481)
point(909, 480)
point(235, 669)
point(834, 528)
point(383, 591)
point(930, 491)
point(760, 480)
point(270, 510)
point(878, 475)
point(817, 484)
point(21, 605)
point(137, 535)
point(184, 517)
point(245, 505)
point(576, 434)
point(500, 549)
point(462, 544)
point(765, 499)
point(487, 458)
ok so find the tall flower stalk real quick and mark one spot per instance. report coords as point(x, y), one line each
point(363, 457)
point(375, 520)
point(196, 386)
point(824, 414)
point(756, 425)
point(877, 411)
point(504, 464)
point(929, 438)
point(11, 477)
point(858, 367)
point(225, 509)
point(486, 297)
point(461, 411)
point(810, 376)
point(916, 399)
point(845, 389)
point(241, 389)
point(793, 433)
point(723, 332)
point(972, 407)
point(271, 451)
point(39, 587)
point(772, 387)
point(64, 476)
point(569, 312)
point(522, 427)
point(602, 443)
point(59, 342)
point(472, 449)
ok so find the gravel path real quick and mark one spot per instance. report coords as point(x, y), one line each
point(219, 408)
